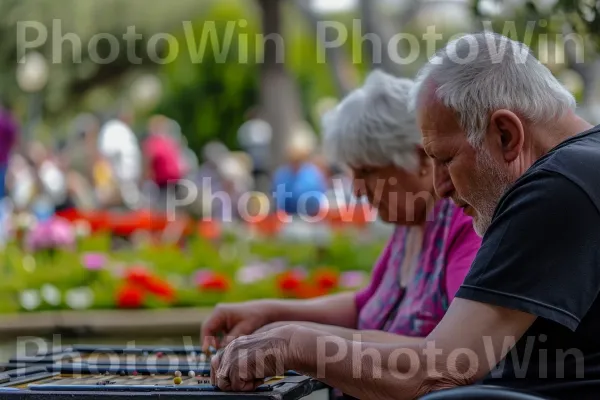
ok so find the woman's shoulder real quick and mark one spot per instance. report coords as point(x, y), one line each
point(460, 225)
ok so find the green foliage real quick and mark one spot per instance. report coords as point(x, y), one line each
point(582, 15)
point(213, 83)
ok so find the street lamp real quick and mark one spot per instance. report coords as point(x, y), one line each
point(32, 77)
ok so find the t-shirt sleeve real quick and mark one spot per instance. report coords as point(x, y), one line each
point(541, 253)
point(363, 295)
point(462, 249)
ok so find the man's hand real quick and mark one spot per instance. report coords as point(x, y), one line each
point(246, 361)
point(234, 320)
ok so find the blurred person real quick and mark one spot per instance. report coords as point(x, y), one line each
point(209, 179)
point(118, 144)
point(51, 180)
point(424, 262)
point(83, 144)
point(254, 137)
point(79, 189)
point(163, 159)
point(21, 182)
point(299, 186)
point(9, 134)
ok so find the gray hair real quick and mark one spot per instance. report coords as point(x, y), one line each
point(477, 74)
point(372, 126)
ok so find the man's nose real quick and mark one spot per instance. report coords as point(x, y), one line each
point(442, 182)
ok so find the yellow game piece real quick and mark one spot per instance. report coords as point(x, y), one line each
point(177, 380)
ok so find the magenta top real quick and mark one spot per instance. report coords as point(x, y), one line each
point(8, 135)
point(449, 247)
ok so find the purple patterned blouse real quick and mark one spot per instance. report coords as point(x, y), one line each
point(414, 309)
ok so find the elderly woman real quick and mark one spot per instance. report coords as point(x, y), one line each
point(427, 257)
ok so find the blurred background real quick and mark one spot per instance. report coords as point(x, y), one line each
point(106, 105)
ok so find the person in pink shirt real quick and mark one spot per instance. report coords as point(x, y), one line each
point(9, 131)
point(163, 158)
point(426, 259)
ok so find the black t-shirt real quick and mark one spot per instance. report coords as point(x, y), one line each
point(541, 255)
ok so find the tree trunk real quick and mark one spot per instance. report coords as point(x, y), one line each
point(280, 100)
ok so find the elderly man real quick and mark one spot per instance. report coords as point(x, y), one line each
point(509, 149)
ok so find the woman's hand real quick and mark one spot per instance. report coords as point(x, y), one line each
point(230, 321)
point(247, 360)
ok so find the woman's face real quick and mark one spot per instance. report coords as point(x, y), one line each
point(401, 197)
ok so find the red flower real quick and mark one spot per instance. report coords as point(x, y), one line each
point(138, 275)
point(209, 230)
point(160, 288)
point(130, 297)
point(214, 282)
point(289, 281)
point(308, 291)
point(326, 280)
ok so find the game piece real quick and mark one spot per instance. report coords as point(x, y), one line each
point(191, 374)
point(178, 374)
point(122, 373)
point(159, 354)
point(177, 380)
point(134, 373)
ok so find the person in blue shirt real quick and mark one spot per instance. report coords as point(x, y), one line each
point(300, 186)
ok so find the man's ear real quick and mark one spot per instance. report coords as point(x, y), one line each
point(507, 133)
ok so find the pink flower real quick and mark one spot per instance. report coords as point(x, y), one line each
point(51, 234)
point(352, 279)
point(253, 273)
point(202, 275)
point(277, 265)
point(93, 261)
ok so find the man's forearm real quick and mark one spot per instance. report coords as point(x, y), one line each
point(358, 369)
point(364, 370)
point(337, 309)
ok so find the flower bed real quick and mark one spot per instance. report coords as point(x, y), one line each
point(208, 266)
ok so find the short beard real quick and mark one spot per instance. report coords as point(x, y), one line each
point(493, 183)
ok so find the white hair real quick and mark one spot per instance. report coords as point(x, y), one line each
point(477, 74)
point(372, 126)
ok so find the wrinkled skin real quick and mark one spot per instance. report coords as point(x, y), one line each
point(247, 360)
point(233, 320)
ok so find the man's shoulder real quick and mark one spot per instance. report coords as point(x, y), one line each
point(576, 151)
point(577, 160)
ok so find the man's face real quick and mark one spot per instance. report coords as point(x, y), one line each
point(473, 178)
